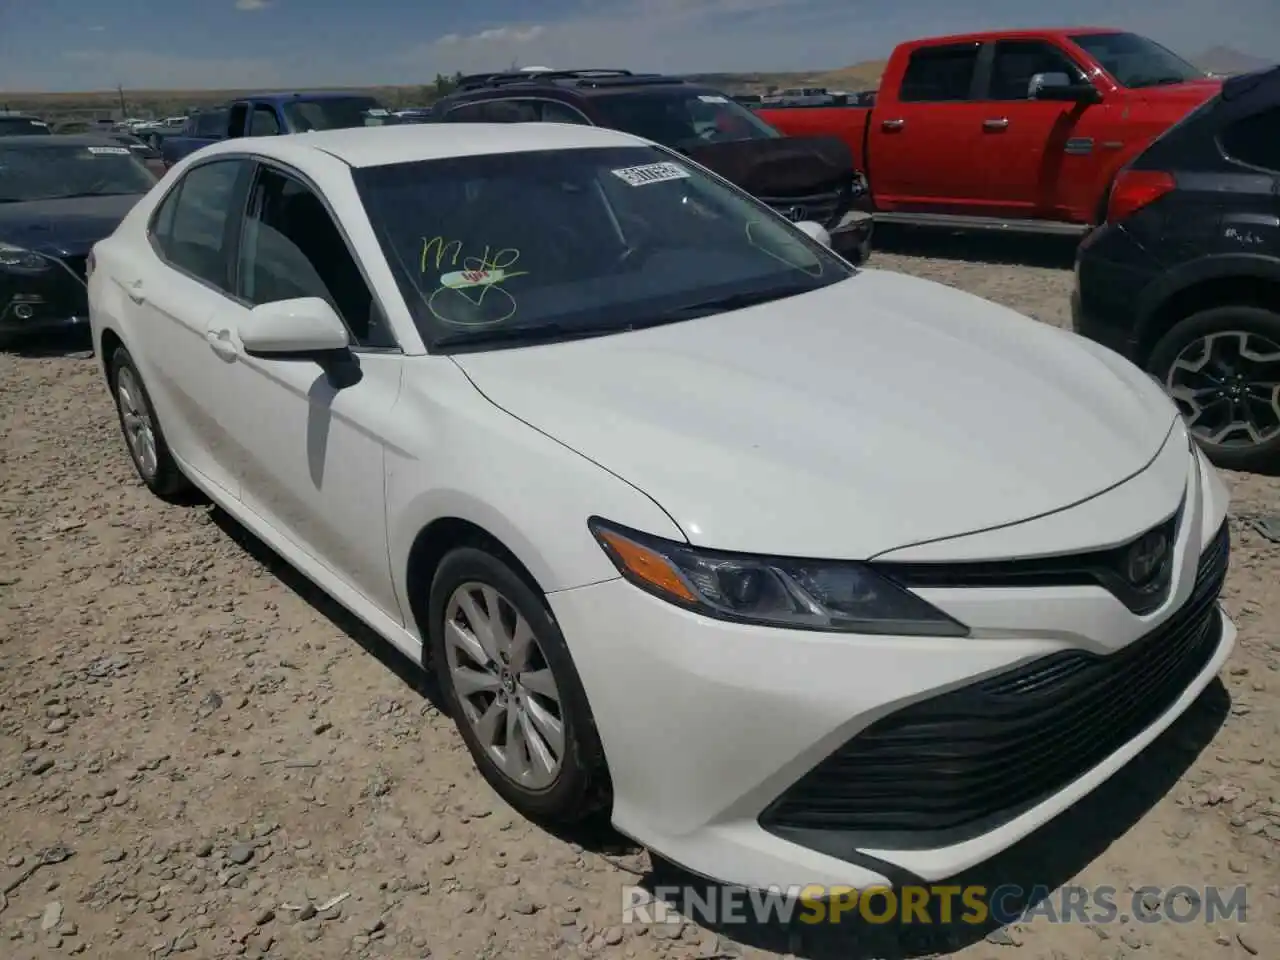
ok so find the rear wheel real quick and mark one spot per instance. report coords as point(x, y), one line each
point(1222, 368)
point(513, 690)
point(142, 434)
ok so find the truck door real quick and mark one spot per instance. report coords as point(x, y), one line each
point(926, 131)
point(1034, 152)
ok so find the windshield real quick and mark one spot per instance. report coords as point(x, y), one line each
point(46, 172)
point(335, 113)
point(526, 247)
point(1135, 61)
point(22, 126)
point(681, 117)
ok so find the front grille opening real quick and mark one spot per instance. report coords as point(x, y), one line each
point(961, 764)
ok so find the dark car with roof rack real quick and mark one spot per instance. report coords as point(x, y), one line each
point(803, 178)
point(22, 125)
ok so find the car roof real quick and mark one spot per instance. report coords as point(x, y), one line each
point(397, 143)
point(1028, 34)
point(48, 141)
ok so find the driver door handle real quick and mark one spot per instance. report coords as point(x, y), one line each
point(996, 123)
point(892, 124)
point(220, 343)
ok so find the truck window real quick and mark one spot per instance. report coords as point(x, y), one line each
point(1017, 61)
point(1253, 140)
point(211, 123)
point(264, 122)
point(936, 74)
point(1134, 61)
point(335, 113)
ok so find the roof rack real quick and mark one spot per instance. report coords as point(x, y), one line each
point(584, 78)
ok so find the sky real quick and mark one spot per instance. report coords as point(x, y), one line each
point(75, 45)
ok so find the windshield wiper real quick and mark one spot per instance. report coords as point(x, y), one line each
point(734, 301)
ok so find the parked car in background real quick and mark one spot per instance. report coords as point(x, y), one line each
point(58, 196)
point(1184, 276)
point(721, 598)
point(22, 125)
point(1013, 130)
point(270, 114)
point(810, 179)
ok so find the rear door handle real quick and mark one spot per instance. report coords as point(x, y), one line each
point(220, 343)
point(995, 123)
point(892, 124)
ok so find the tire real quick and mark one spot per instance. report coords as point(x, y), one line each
point(1262, 327)
point(165, 478)
point(580, 784)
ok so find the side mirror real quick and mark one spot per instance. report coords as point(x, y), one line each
point(306, 328)
point(814, 231)
point(1058, 87)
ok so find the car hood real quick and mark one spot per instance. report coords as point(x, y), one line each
point(873, 414)
point(65, 226)
point(781, 167)
point(1187, 95)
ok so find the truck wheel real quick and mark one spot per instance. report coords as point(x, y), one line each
point(1222, 368)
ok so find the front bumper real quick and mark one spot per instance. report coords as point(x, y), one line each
point(49, 300)
point(708, 724)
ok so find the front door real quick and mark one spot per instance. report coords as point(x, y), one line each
point(175, 291)
point(1033, 151)
point(314, 441)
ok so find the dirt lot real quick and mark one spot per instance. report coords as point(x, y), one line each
point(200, 756)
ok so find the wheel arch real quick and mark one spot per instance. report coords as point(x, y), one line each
point(1230, 280)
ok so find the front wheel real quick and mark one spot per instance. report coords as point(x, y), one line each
point(512, 689)
point(1222, 368)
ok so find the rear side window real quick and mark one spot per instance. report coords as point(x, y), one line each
point(939, 74)
point(1255, 140)
point(511, 111)
point(466, 113)
point(190, 228)
point(553, 112)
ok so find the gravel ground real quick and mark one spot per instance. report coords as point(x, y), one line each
point(201, 756)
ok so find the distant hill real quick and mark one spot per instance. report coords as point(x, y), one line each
point(1228, 61)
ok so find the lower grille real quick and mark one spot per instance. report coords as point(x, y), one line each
point(961, 764)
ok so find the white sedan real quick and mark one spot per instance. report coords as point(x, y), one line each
point(805, 573)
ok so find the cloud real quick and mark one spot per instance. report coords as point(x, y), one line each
point(252, 5)
point(509, 34)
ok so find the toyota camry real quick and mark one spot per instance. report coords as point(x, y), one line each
point(804, 573)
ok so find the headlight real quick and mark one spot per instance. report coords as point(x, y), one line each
point(835, 596)
point(18, 258)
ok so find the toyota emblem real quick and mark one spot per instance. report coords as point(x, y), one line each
point(1146, 558)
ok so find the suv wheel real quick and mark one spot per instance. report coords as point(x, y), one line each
point(1222, 369)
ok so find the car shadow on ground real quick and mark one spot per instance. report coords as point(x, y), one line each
point(594, 834)
point(75, 345)
point(1040, 863)
point(983, 247)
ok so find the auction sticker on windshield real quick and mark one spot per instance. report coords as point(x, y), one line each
point(650, 173)
point(114, 151)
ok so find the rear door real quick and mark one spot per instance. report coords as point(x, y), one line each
point(925, 136)
point(1035, 153)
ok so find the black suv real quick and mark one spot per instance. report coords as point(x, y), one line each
point(810, 178)
point(1183, 278)
point(21, 125)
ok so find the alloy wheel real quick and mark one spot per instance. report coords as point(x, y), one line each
point(504, 685)
point(139, 430)
point(1227, 385)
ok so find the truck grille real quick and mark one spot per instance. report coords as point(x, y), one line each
point(961, 764)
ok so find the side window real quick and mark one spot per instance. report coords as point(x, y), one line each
point(511, 111)
point(211, 124)
point(553, 112)
point(264, 122)
point(292, 248)
point(1255, 140)
point(197, 224)
point(162, 221)
point(466, 113)
point(937, 74)
point(1017, 61)
point(238, 120)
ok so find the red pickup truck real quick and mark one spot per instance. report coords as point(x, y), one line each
point(1018, 129)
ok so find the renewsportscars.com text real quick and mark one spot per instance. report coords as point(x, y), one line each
point(941, 903)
